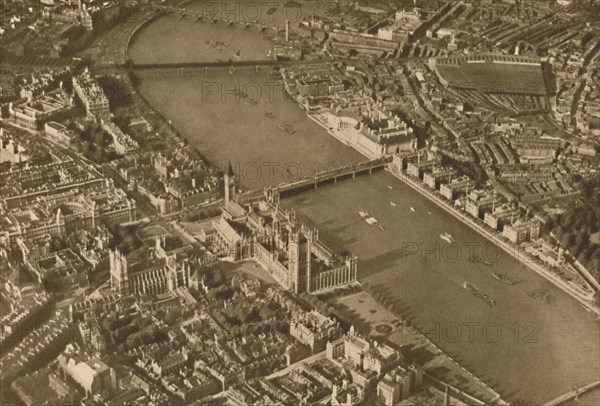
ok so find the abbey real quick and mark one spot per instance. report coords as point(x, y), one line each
point(150, 271)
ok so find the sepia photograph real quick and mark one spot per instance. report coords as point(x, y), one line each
point(300, 202)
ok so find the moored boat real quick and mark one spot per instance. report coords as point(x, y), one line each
point(447, 237)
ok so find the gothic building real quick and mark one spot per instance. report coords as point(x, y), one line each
point(150, 270)
point(290, 252)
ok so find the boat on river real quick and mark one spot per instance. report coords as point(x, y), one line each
point(447, 237)
point(479, 294)
point(507, 280)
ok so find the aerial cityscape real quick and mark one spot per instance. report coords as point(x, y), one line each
point(304, 202)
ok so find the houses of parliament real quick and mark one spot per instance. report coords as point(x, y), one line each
point(290, 252)
point(262, 231)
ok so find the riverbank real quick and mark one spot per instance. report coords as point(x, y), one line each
point(341, 139)
point(198, 41)
point(369, 311)
point(515, 251)
point(284, 144)
point(567, 341)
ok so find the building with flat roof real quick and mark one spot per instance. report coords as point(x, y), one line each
point(384, 133)
point(500, 215)
point(122, 142)
point(314, 330)
point(401, 29)
point(319, 87)
point(91, 94)
point(438, 175)
point(363, 354)
point(479, 201)
point(93, 375)
point(522, 230)
point(459, 185)
point(59, 133)
point(399, 384)
point(33, 114)
point(370, 127)
point(423, 164)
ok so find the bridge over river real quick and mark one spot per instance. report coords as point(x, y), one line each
point(215, 17)
point(230, 63)
point(318, 179)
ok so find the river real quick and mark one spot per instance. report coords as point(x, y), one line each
point(526, 349)
point(548, 346)
point(265, 135)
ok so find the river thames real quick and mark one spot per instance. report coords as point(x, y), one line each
point(519, 340)
point(527, 349)
point(265, 135)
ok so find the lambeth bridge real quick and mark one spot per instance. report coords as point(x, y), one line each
point(318, 179)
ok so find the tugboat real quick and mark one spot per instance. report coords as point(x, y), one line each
point(479, 294)
point(363, 214)
point(447, 237)
point(412, 208)
point(507, 280)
